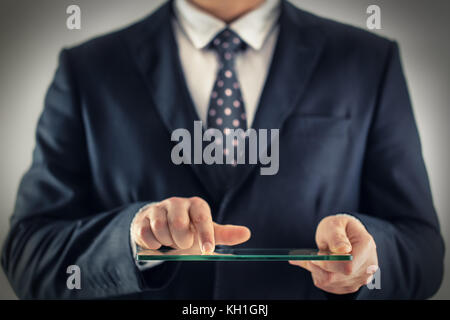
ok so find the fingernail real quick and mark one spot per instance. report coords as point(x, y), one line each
point(208, 247)
point(343, 246)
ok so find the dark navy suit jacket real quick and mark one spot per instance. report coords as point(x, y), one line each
point(348, 143)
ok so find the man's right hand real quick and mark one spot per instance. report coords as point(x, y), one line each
point(183, 223)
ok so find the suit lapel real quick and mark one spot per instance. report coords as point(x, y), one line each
point(158, 60)
point(295, 58)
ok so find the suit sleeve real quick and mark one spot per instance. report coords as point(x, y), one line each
point(58, 221)
point(396, 203)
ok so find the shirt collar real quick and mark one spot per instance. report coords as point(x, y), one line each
point(201, 27)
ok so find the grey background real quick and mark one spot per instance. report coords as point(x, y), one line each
point(33, 32)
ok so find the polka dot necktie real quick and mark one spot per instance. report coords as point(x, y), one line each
point(226, 107)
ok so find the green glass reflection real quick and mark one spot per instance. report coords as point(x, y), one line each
point(239, 254)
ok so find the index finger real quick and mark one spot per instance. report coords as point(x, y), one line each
point(200, 216)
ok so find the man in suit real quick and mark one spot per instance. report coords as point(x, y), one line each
point(351, 176)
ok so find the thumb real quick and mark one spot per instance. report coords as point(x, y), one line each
point(230, 234)
point(331, 234)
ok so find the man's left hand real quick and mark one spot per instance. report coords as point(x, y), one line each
point(343, 234)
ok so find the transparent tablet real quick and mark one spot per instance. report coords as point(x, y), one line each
point(239, 254)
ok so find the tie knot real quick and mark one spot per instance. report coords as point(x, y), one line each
point(227, 42)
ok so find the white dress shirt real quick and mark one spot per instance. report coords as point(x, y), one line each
point(194, 29)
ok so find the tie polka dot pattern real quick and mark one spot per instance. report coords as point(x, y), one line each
point(226, 107)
